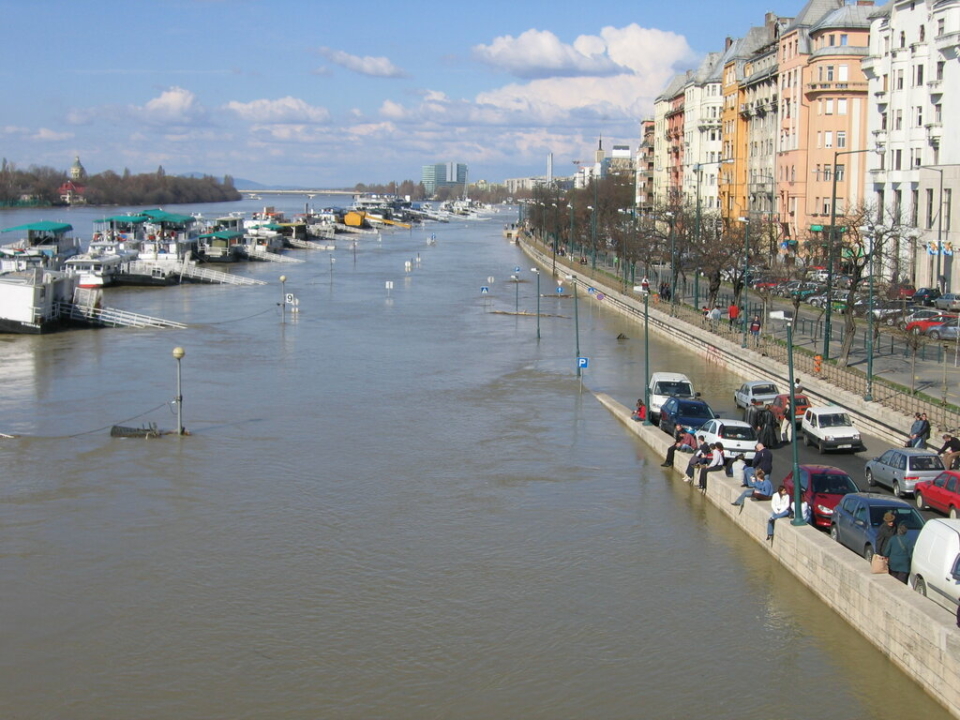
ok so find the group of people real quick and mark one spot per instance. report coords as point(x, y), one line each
point(764, 423)
point(919, 431)
point(894, 545)
point(756, 480)
point(707, 457)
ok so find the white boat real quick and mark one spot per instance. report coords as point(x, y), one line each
point(94, 270)
point(41, 244)
point(30, 301)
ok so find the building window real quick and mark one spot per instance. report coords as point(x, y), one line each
point(840, 172)
point(843, 40)
point(828, 107)
point(947, 206)
point(929, 223)
point(828, 173)
point(903, 39)
point(899, 79)
point(842, 73)
point(898, 120)
point(923, 33)
point(915, 208)
point(918, 77)
point(841, 106)
point(828, 139)
point(897, 204)
point(897, 159)
point(829, 73)
point(919, 115)
point(841, 138)
point(941, 26)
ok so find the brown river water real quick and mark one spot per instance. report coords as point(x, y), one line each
point(393, 505)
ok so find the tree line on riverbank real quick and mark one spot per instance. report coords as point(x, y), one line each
point(41, 186)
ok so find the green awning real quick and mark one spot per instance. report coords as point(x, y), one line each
point(131, 219)
point(44, 226)
point(162, 216)
point(223, 235)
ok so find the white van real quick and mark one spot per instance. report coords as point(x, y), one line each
point(665, 385)
point(935, 568)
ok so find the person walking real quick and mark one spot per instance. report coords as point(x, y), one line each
point(779, 507)
point(755, 329)
point(767, 427)
point(900, 549)
point(715, 316)
point(733, 313)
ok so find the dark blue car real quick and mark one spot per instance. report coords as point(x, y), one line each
point(858, 517)
point(691, 414)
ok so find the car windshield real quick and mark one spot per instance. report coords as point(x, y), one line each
point(675, 388)
point(737, 432)
point(926, 462)
point(904, 516)
point(764, 390)
point(833, 484)
point(834, 420)
point(695, 410)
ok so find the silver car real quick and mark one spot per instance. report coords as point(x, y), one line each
point(763, 391)
point(944, 331)
point(950, 301)
point(900, 469)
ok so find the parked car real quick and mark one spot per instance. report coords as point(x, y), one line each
point(762, 390)
point(664, 385)
point(950, 301)
point(690, 414)
point(830, 428)
point(823, 487)
point(738, 437)
point(926, 296)
point(885, 311)
point(935, 567)
point(799, 288)
point(942, 493)
point(944, 331)
point(858, 517)
point(900, 469)
point(902, 292)
point(918, 314)
point(919, 327)
point(780, 404)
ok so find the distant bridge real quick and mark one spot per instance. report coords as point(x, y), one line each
point(296, 192)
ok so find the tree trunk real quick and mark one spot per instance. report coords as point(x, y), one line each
point(849, 334)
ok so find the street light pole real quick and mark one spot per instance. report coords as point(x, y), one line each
point(868, 395)
point(646, 354)
point(537, 271)
point(178, 353)
point(746, 284)
point(673, 265)
point(798, 518)
point(283, 299)
point(576, 321)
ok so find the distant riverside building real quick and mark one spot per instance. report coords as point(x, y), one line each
point(444, 175)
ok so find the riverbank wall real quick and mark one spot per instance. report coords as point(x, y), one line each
point(918, 636)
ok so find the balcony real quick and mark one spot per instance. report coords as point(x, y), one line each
point(936, 87)
point(880, 134)
point(831, 86)
point(878, 175)
point(934, 132)
point(948, 44)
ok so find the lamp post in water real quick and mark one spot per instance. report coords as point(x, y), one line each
point(283, 299)
point(537, 271)
point(178, 353)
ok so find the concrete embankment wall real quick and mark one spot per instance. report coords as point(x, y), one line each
point(920, 637)
point(915, 633)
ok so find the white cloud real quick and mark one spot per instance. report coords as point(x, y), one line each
point(47, 135)
point(374, 66)
point(539, 53)
point(174, 106)
point(285, 110)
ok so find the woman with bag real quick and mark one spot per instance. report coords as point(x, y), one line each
point(900, 552)
point(879, 563)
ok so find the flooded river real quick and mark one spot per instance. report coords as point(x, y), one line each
point(395, 504)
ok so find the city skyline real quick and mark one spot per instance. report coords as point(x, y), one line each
point(291, 94)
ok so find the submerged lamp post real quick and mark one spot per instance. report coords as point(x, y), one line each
point(283, 299)
point(178, 353)
point(576, 318)
point(537, 271)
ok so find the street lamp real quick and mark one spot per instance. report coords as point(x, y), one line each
point(576, 320)
point(283, 299)
point(868, 395)
point(746, 285)
point(940, 286)
point(827, 328)
point(798, 518)
point(178, 353)
point(673, 263)
point(646, 350)
point(537, 271)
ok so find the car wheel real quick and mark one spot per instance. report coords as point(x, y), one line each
point(896, 489)
point(870, 480)
point(920, 586)
point(953, 513)
point(834, 533)
point(891, 322)
point(868, 552)
point(921, 505)
point(902, 325)
point(806, 440)
point(916, 331)
point(821, 449)
point(934, 335)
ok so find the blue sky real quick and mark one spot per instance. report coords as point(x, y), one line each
point(329, 94)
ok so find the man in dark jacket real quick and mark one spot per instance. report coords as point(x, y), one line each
point(950, 450)
point(762, 460)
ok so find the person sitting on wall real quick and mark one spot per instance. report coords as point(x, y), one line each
point(716, 462)
point(779, 508)
point(640, 413)
point(762, 460)
point(685, 442)
point(760, 488)
point(701, 456)
point(950, 450)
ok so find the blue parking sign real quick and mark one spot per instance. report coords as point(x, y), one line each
point(583, 362)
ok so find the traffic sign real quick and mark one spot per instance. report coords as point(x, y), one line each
point(484, 290)
point(583, 362)
point(560, 290)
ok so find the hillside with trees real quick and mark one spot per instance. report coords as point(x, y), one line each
point(40, 186)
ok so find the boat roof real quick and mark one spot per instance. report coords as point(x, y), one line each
point(223, 235)
point(270, 226)
point(164, 216)
point(132, 219)
point(47, 226)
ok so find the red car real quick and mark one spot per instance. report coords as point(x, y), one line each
point(829, 485)
point(781, 402)
point(942, 493)
point(921, 326)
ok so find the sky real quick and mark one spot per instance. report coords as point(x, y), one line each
point(318, 94)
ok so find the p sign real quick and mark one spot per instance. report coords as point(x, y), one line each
point(582, 363)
